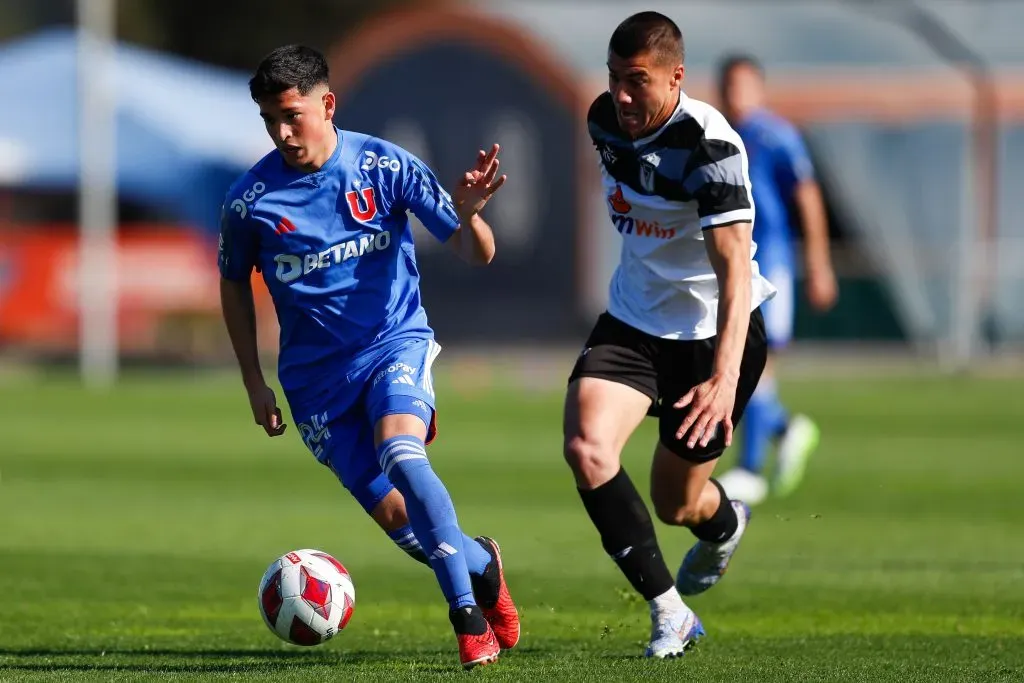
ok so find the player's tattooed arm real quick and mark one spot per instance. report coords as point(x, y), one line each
point(474, 240)
point(712, 402)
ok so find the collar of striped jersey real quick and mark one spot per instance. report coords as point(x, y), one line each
point(647, 139)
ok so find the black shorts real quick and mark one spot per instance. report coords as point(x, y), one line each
point(665, 369)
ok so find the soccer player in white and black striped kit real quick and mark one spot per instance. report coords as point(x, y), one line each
point(683, 338)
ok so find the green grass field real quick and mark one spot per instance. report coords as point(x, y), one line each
point(134, 529)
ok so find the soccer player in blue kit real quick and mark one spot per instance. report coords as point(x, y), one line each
point(783, 183)
point(324, 218)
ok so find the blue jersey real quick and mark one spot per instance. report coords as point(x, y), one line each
point(336, 251)
point(778, 163)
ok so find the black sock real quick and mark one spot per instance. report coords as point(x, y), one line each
point(468, 620)
point(723, 523)
point(487, 585)
point(627, 534)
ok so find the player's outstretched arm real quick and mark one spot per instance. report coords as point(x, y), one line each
point(474, 240)
point(728, 248)
point(239, 313)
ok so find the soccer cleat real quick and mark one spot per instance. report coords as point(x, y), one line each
point(706, 562)
point(741, 484)
point(795, 448)
point(478, 650)
point(492, 595)
point(673, 633)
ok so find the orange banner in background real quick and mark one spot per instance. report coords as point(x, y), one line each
point(161, 274)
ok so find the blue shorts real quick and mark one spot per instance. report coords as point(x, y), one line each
point(779, 310)
point(336, 423)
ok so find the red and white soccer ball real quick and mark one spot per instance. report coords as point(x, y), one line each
point(306, 597)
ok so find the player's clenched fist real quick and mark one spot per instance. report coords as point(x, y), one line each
point(265, 410)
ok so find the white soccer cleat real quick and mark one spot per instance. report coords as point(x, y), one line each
point(673, 633)
point(744, 485)
point(796, 447)
point(706, 562)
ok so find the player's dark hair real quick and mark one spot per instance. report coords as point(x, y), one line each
point(291, 66)
point(648, 32)
point(734, 61)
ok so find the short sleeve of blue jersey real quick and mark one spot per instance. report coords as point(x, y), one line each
point(424, 196)
point(792, 161)
point(237, 250)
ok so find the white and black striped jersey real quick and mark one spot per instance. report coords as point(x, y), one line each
point(662, 192)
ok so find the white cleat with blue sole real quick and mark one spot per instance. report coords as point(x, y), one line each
point(673, 633)
point(706, 562)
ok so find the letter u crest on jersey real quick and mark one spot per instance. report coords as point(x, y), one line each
point(365, 210)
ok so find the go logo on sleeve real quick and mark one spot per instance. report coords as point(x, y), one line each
point(372, 160)
point(241, 205)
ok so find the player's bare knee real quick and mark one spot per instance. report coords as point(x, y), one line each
point(591, 461)
point(399, 424)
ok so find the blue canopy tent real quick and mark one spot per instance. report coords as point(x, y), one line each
point(184, 129)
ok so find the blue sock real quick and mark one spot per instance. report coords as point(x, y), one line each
point(477, 558)
point(764, 419)
point(431, 515)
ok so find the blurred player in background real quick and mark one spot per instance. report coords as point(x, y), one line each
point(785, 191)
point(324, 218)
point(683, 337)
